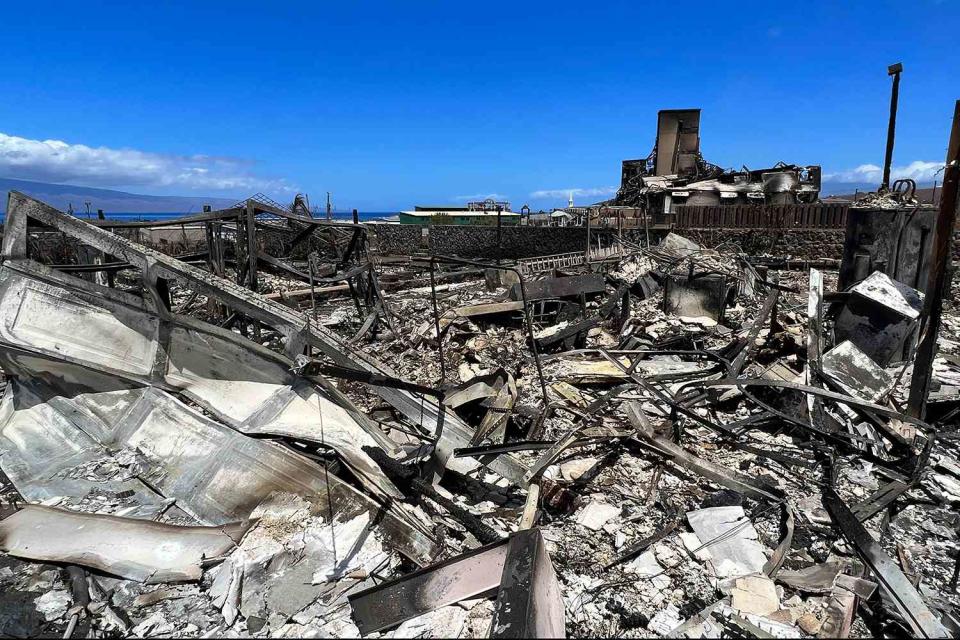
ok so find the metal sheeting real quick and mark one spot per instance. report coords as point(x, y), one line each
point(245, 385)
point(295, 326)
point(214, 473)
point(135, 549)
point(39, 447)
point(249, 389)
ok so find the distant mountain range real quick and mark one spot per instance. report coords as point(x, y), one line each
point(63, 195)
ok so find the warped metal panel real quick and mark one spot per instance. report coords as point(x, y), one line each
point(214, 473)
point(249, 389)
point(293, 325)
point(39, 448)
point(240, 382)
point(111, 336)
point(135, 549)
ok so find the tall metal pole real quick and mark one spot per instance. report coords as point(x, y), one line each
point(938, 284)
point(893, 70)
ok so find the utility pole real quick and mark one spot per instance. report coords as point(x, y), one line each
point(329, 208)
point(893, 70)
point(938, 284)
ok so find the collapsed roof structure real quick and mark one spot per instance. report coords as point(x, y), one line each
point(676, 173)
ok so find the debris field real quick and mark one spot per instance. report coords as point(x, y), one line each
point(280, 432)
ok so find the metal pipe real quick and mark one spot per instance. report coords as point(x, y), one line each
point(893, 70)
point(938, 283)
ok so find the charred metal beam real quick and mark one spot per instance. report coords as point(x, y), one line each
point(904, 595)
point(475, 573)
point(529, 603)
point(686, 460)
point(938, 284)
point(497, 449)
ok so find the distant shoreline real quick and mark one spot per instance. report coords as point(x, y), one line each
point(368, 216)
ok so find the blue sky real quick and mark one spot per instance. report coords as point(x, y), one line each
point(388, 104)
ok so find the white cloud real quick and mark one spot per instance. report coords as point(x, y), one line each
point(918, 170)
point(577, 192)
point(476, 197)
point(59, 161)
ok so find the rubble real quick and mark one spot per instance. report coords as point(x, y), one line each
point(673, 442)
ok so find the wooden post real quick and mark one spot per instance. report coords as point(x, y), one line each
point(938, 284)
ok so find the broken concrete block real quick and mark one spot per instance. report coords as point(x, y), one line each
point(596, 514)
point(755, 594)
point(665, 620)
point(809, 623)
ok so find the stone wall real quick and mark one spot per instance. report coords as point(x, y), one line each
point(480, 242)
point(801, 244)
point(526, 242)
point(396, 239)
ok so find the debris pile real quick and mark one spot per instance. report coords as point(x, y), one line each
point(307, 439)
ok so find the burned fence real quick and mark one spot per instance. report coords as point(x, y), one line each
point(773, 217)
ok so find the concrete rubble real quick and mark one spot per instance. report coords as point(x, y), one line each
point(289, 434)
